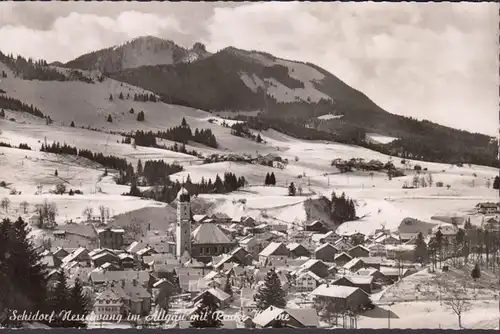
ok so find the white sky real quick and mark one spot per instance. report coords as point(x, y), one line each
point(437, 61)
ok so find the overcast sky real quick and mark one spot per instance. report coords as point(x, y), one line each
point(437, 61)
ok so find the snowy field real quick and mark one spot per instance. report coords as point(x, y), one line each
point(380, 201)
point(430, 315)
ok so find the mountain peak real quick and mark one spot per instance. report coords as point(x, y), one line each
point(140, 51)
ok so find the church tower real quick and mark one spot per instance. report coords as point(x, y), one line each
point(183, 226)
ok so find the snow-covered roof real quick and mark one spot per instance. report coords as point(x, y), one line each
point(271, 248)
point(209, 233)
point(324, 246)
point(362, 280)
point(334, 291)
point(293, 246)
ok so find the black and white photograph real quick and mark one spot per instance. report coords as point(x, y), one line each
point(249, 165)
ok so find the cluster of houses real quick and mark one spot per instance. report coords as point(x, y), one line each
point(312, 264)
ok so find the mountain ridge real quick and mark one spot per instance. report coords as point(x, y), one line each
point(291, 96)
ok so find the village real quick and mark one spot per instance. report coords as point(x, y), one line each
point(328, 280)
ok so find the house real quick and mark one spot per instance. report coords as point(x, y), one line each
point(79, 255)
point(357, 238)
point(326, 252)
point(363, 262)
point(301, 237)
point(222, 298)
point(358, 251)
point(291, 318)
point(341, 259)
point(307, 281)
point(238, 256)
point(297, 250)
point(378, 277)
point(343, 297)
point(274, 248)
point(487, 208)
point(400, 252)
point(252, 245)
point(101, 256)
point(394, 273)
point(316, 226)
point(377, 250)
point(315, 266)
point(111, 238)
point(137, 300)
point(99, 278)
point(108, 304)
point(387, 239)
point(248, 221)
point(365, 283)
point(330, 237)
point(127, 261)
point(410, 228)
point(209, 240)
point(492, 224)
point(342, 245)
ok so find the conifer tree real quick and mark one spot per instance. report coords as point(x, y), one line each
point(271, 293)
point(204, 316)
point(120, 96)
point(2, 113)
point(476, 272)
point(59, 301)
point(496, 182)
point(79, 303)
point(55, 173)
point(140, 116)
point(134, 190)
point(291, 189)
point(110, 119)
point(72, 124)
point(184, 123)
point(421, 254)
point(111, 97)
point(139, 167)
point(272, 179)
point(267, 181)
point(228, 288)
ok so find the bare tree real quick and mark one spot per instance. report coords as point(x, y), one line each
point(47, 213)
point(423, 183)
point(24, 206)
point(5, 203)
point(87, 212)
point(430, 180)
point(106, 213)
point(416, 181)
point(102, 212)
point(488, 183)
point(456, 300)
point(300, 190)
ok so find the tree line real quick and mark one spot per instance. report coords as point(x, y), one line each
point(181, 134)
point(24, 281)
point(14, 104)
point(168, 192)
point(21, 146)
point(108, 161)
point(155, 172)
point(471, 244)
point(29, 69)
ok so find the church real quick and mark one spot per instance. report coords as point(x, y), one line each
point(205, 242)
